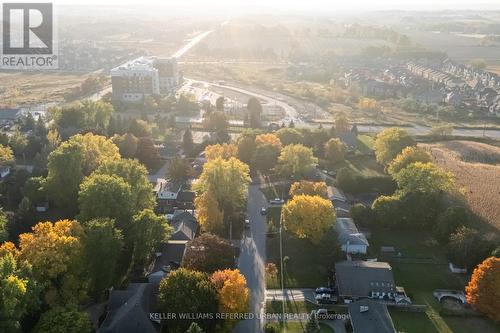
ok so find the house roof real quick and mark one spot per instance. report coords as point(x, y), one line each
point(359, 278)
point(171, 255)
point(165, 189)
point(128, 310)
point(9, 114)
point(368, 316)
point(186, 196)
point(349, 139)
point(347, 232)
point(185, 226)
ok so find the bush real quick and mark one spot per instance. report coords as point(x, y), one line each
point(362, 215)
point(355, 183)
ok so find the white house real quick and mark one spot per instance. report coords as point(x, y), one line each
point(350, 239)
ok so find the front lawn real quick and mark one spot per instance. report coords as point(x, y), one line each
point(304, 266)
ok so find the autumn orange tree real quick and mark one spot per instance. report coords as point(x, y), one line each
point(483, 290)
point(309, 188)
point(224, 151)
point(232, 290)
point(308, 217)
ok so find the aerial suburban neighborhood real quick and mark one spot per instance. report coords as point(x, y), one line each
point(266, 167)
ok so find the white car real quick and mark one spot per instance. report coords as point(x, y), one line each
point(277, 201)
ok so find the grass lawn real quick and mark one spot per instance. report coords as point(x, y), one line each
point(304, 268)
point(420, 279)
point(295, 327)
point(367, 166)
point(365, 143)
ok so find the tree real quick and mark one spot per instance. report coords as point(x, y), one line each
point(178, 170)
point(271, 270)
point(71, 162)
point(147, 153)
point(18, 291)
point(312, 325)
point(4, 234)
point(483, 290)
point(362, 215)
point(148, 230)
point(67, 319)
point(308, 217)
point(368, 104)
point(387, 210)
point(442, 130)
point(246, 145)
point(103, 195)
point(448, 222)
point(341, 123)
point(6, 155)
point(136, 175)
point(232, 290)
point(390, 142)
point(289, 136)
point(224, 151)
point(408, 156)
point(335, 150)
point(477, 64)
point(424, 178)
point(219, 104)
point(194, 328)
point(309, 188)
point(102, 249)
point(268, 139)
point(296, 160)
point(127, 144)
point(177, 292)
point(208, 253)
point(216, 121)
point(187, 141)
point(254, 111)
point(140, 128)
point(467, 247)
point(210, 216)
point(226, 181)
point(55, 252)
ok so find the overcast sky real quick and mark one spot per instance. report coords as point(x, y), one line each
point(308, 5)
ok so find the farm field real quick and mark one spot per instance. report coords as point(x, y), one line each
point(25, 88)
point(476, 167)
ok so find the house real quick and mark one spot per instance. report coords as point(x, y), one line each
point(168, 259)
point(166, 193)
point(185, 226)
point(128, 310)
point(8, 115)
point(368, 316)
point(185, 200)
point(367, 279)
point(350, 239)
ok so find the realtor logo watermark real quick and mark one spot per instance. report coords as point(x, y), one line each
point(28, 36)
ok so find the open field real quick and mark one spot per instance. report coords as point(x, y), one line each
point(476, 167)
point(25, 88)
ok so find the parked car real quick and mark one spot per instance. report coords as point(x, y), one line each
point(332, 173)
point(263, 211)
point(325, 298)
point(277, 201)
point(323, 290)
point(247, 224)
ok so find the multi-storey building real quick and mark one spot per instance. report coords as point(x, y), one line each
point(144, 76)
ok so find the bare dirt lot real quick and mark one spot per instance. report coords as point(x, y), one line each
point(476, 167)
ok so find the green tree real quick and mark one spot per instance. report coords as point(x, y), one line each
point(309, 188)
point(289, 136)
point(177, 292)
point(387, 210)
point(140, 128)
point(147, 153)
point(136, 175)
point(246, 145)
point(4, 234)
point(467, 247)
point(390, 142)
point(103, 195)
point(296, 160)
point(66, 319)
point(254, 111)
point(178, 170)
point(335, 150)
point(208, 253)
point(312, 325)
point(187, 141)
point(424, 178)
point(308, 217)
point(408, 156)
point(448, 222)
point(18, 291)
point(102, 250)
point(362, 215)
point(127, 144)
point(148, 230)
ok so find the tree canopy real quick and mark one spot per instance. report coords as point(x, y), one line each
point(289, 136)
point(296, 160)
point(483, 290)
point(308, 217)
point(67, 319)
point(208, 253)
point(232, 289)
point(424, 178)
point(390, 142)
point(408, 156)
point(309, 188)
point(6, 155)
point(224, 151)
point(335, 150)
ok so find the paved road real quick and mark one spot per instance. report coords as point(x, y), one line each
point(252, 260)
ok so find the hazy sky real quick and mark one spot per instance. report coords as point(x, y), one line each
point(308, 5)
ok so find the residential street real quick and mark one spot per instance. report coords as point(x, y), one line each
point(252, 260)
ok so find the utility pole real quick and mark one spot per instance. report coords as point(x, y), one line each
point(282, 271)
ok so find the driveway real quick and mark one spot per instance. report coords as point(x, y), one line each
point(252, 261)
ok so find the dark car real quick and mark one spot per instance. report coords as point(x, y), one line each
point(263, 211)
point(247, 224)
point(323, 290)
